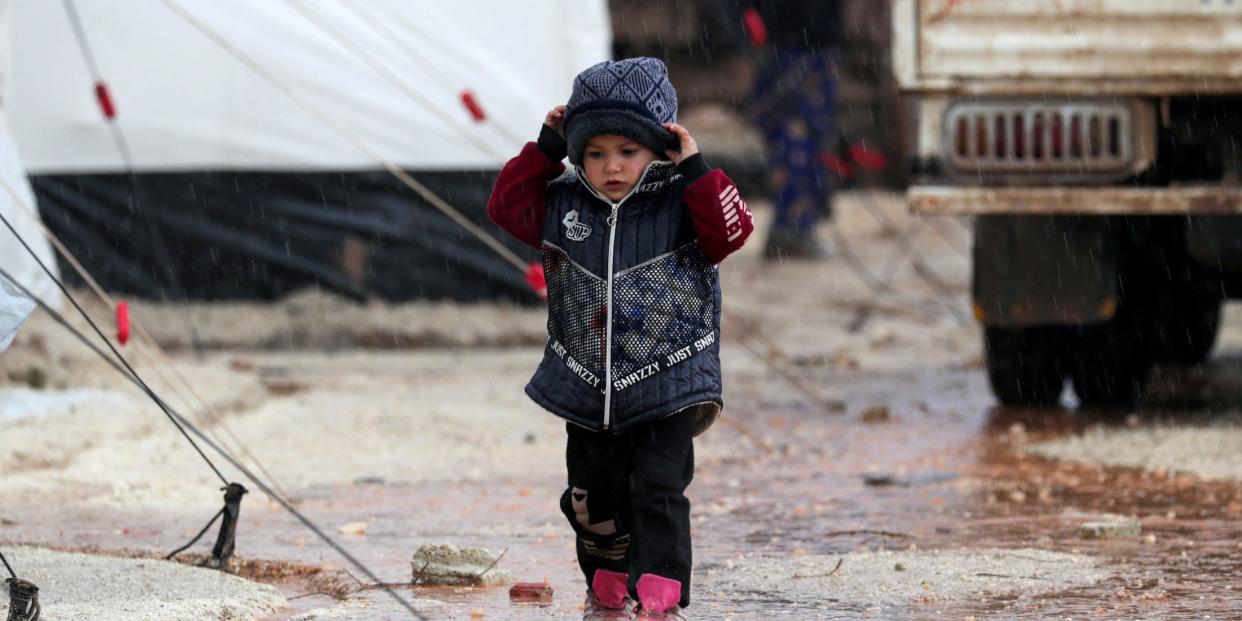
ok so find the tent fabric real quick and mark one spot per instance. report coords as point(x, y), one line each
point(16, 261)
point(15, 307)
point(17, 205)
point(234, 189)
point(21, 214)
point(185, 104)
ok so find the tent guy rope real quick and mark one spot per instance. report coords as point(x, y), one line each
point(164, 365)
point(410, 182)
point(72, 300)
point(397, 82)
point(183, 424)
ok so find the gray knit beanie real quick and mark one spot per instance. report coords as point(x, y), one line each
point(630, 98)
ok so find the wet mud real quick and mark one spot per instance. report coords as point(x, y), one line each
point(945, 470)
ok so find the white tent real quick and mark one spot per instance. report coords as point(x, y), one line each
point(17, 205)
point(390, 71)
point(238, 123)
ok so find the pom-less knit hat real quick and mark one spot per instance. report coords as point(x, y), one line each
point(630, 98)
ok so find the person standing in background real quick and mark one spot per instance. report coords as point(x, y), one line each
point(793, 103)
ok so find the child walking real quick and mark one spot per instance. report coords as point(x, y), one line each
point(630, 245)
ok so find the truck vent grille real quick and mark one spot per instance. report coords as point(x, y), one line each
point(1039, 138)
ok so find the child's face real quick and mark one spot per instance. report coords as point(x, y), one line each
point(613, 164)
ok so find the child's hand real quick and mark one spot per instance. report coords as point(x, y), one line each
point(556, 119)
point(684, 140)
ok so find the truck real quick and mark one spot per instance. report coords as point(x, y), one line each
point(1098, 146)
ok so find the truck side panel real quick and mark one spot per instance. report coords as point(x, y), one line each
point(968, 41)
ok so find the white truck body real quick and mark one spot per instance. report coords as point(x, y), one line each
point(1095, 141)
point(1049, 53)
point(1075, 46)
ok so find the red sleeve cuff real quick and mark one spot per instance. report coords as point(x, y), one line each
point(722, 221)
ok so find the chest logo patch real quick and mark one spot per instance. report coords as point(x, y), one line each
point(574, 230)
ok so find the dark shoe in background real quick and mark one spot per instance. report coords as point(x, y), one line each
point(793, 244)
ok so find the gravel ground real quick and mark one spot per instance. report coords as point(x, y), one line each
point(1209, 451)
point(873, 582)
point(418, 413)
point(317, 320)
point(403, 417)
point(1172, 440)
point(359, 609)
point(79, 587)
point(19, 403)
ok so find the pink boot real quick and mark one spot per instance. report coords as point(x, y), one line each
point(658, 599)
point(608, 598)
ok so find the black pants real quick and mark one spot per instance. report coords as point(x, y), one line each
point(626, 499)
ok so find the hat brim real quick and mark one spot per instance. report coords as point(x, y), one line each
point(618, 122)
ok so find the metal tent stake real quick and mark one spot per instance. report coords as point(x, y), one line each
point(225, 542)
point(23, 600)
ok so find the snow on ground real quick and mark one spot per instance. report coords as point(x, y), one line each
point(399, 417)
point(875, 581)
point(81, 587)
point(19, 403)
point(1171, 440)
point(358, 609)
point(1209, 451)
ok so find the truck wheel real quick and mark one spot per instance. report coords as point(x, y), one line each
point(1023, 366)
point(1110, 365)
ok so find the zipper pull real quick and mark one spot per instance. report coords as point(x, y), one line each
point(612, 218)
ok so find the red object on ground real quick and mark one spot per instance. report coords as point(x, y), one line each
point(756, 30)
point(476, 111)
point(105, 100)
point(535, 278)
point(122, 322)
point(863, 156)
point(531, 592)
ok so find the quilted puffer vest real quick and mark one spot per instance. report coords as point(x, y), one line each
point(655, 349)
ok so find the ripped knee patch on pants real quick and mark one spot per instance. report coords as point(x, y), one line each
point(578, 500)
point(599, 538)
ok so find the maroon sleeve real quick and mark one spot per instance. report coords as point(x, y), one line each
point(517, 202)
point(722, 220)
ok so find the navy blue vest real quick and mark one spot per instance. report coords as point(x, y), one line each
point(656, 349)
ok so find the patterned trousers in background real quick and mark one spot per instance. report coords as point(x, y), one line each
point(794, 105)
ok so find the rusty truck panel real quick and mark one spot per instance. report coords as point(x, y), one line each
point(1015, 47)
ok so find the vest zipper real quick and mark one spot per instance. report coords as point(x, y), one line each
point(612, 238)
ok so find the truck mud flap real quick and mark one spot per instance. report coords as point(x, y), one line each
point(1045, 270)
point(1215, 241)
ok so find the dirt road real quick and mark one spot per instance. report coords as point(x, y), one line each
point(862, 469)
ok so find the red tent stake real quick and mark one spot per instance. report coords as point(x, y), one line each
point(472, 105)
point(105, 100)
point(122, 322)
